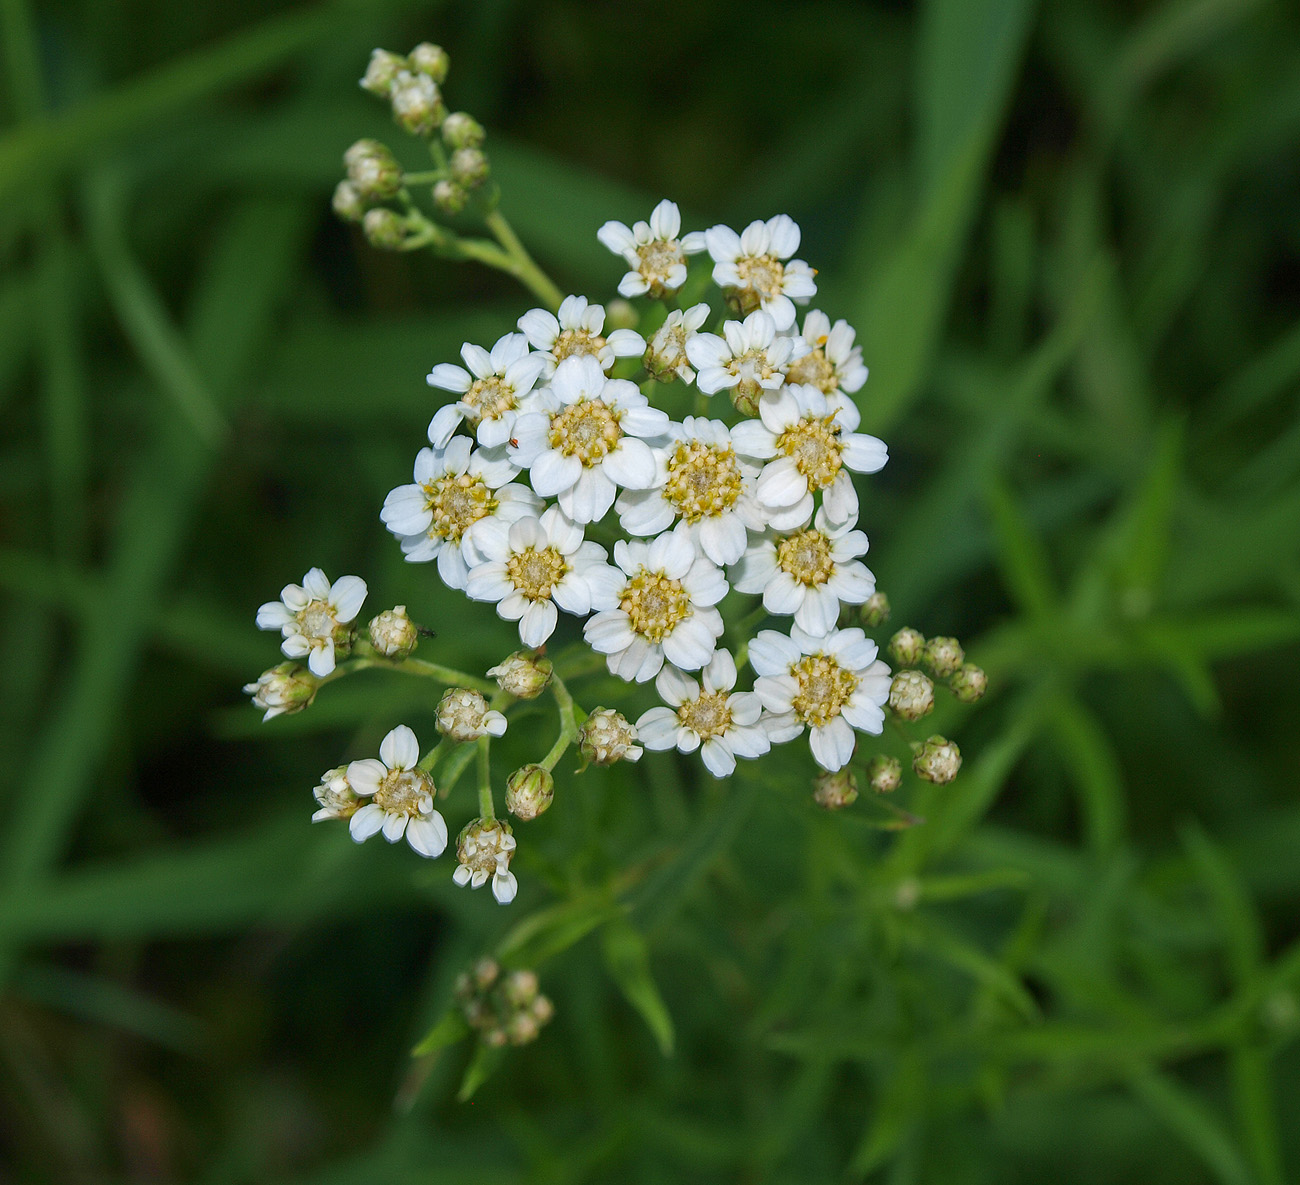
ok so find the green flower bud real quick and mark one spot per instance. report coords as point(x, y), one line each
point(381, 72)
point(944, 656)
point(461, 130)
point(374, 170)
point(449, 197)
point(884, 773)
point(875, 610)
point(417, 103)
point(529, 791)
point(834, 791)
point(283, 690)
point(525, 674)
point(348, 203)
point(393, 634)
point(383, 229)
point(430, 59)
point(520, 988)
point(907, 646)
point(469, 167)
point(969, 684)
point(745, 396)
point(911, 695)
point(937, 761)
point(606, 737)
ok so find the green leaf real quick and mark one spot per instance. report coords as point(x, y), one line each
point(1092, 765)
point(1021, 555)
point(483, 1063)
point(1192, 1122)
point(549, 931)
point(627, 959)
point(899, 1106)
point(451, 1027)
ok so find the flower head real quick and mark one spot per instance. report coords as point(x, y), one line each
point(485, 849)
point(751, 267)
point(832, 685)
point(667, 355)
point(491, 392)
point(283, 690)
point(334, 796)
point(606, 737)
point(832, 363)
point(718, 722)
point(464, 715)
point(576, 332)
point(315, 618)
point(401, 796)
point(653, 251)
point(748, 359)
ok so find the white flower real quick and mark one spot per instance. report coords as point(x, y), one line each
point(808, 573)
point(458, 490)
point(537, 565)
point(584, 436)
point(749, 358)
point(833, 362)
point(749, 267)
point(665, 609)
point(666, 355)
point(401, 795)
point(334, 796)
point(708, 492)
point(315, 618)
point(485, 848)
point(831, 685)
point(808, 446)
point(713, 719)
point(282, 690)
point(490, 392)
point(463, 714)
point(653, 251)
point(576, 331)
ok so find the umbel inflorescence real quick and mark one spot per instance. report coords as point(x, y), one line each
point(556, 484)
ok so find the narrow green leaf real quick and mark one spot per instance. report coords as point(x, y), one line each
point(627, 959)
point(899, 1106)
point(451, 1027)
point(550, 931)
point(1193, 1123)
point(929, 937)
point(1021, 555)
point(1093, 767)
point(483, 1063)
point(1239, 924)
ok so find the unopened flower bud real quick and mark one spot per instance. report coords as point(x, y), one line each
point(529, 791)
point(430, 59)
point(383, 229)
point(606, 736)
point(462, 130)
point(484, 849)
point(875, 610)
point(381, 72)
point(938, 760)
point(417, 103)
point(348, 203)
point(464, 715)
point(373, 169)
point(620, 314)
point(944, 656)
point(469, 167)
point(283, 690)
point(495, 1038)
point(522, 1028)
point(969, 684)
point(907, 646)
point(543, 1009)
point(393, 634)
point(834, 791)
point(485, 973)
point(525, 674)
point(911, 695)
point(520, 988)
point(449, 198)
point(745, 396)
point(334, 796)
point(884, 773)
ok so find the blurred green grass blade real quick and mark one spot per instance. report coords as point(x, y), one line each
point(1184, 1114)
point(1228, 633)
point(963, 97)
point(1139, 542)
point(1022, 557)
point(44, 148)
point(451, 1028)
point(1268, 374)
point(627, 959)
point(962, 885)
point(141, 313)
point(931, 939)
point(547, 932)
point(1255, 1102)
point(899, 1103)
point(1238, 923)
point(1094, 768)
point(483, 1063)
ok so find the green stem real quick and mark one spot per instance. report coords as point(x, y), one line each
point(430, 760)
point(486, 807)
point(523, 267)
point(568, 722)
point(411, 666)
point(428, 177)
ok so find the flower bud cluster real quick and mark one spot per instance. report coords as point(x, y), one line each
point(503, 1008)
point(911, 695)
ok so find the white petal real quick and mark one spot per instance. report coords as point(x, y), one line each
point(368, 821)
point(631, 464)
point(676, 688)
point(428, 836)
point(321, 661)
point(553, 471)
point(399, 749)
point(720, 674)
point(657, 728)
point(347, 596)
point(538, 623)
point(718, 758)
point(832, 744)
point(504, 886)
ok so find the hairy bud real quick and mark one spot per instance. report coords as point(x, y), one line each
point(529, 791)
point(383, 229)
point(283, 690)
point(449, 198)
point(937, 761)
point(461, 130)
point(911, 695)
point(393, 634)
point(907, 646)
point(464, 715)
point(944, 656)
point(875, 610)
point(884, 773)
point(969, 684)
point(834, 791)
point(469, 167)
point(381, 72)
point(348, 203)
point(606, 736)
point(430, 59)
point(374, 170)
point(525, 674)
point(417, 103)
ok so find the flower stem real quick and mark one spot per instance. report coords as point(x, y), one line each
point(568, 722)
point(486, 807)
point(523, 268)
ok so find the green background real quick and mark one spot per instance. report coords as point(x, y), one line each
point(1068, 235)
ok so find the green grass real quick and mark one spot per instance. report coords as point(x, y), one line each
point(1067, 236)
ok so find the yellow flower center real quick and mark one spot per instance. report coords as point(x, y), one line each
point(761, 277)
point(814, 368)
point(654, 604)
point(703, 480)
point(457, 501)
point(586, 430)
point(490, 398)
point(535, 572)
point(824, 688)
point(577, 341)
point(709, 715)
point(806, 555)
point(814, 443)
point(406, 792)
point(317, 620)
point(657, 260)
point(480, 845)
